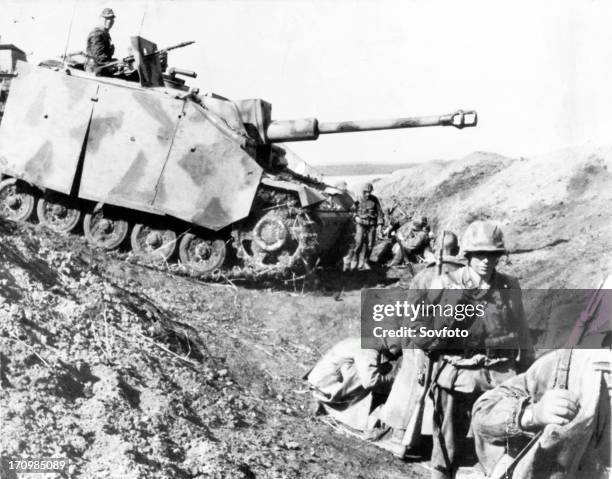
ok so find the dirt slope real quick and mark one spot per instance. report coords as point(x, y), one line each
point(554, 209)
point(135, 373)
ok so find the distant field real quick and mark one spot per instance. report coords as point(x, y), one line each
point(354, 182)
point(360, 169)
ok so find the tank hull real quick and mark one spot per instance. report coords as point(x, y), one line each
point(160, 163)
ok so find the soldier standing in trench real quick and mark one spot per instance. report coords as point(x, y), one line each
point(100, 49)
point(498, 345)
point(368, 216)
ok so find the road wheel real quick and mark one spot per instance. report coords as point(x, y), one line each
point(58, 212)
point(153, 243)
point(202, 255)
point(105, 230)
point(17, 200)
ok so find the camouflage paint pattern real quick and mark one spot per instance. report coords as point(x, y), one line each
point(226, 110)
point(209, 179)
point(44, 126)
point(256, 115)
point(311, 128)
point(129, 141)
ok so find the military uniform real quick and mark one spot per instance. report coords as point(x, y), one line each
point(497, 348)
point(423, 279)
point(347, 380)
point(100, 49)
point(400, 406)
point(498, 345)
point(412, 242)
point(580, 448)
point(368, 216)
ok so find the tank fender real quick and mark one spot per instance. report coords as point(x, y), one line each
point(308, 196)
point(343, 197)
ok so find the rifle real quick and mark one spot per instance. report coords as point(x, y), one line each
point(441, 254)
point(586, 316)
point(130, 58)
point(413, 430)
point(505, 467)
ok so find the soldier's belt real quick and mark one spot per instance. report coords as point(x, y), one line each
point(365, 221)
point(510, 339)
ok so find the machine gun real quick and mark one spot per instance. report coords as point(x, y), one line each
point(130, 58)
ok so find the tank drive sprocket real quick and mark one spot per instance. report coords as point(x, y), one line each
point(280, 239)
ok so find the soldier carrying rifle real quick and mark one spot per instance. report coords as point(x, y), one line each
point(498, 346)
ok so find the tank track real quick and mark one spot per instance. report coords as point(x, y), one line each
point(278, 239)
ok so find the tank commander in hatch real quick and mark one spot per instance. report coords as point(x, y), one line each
point(100, 49)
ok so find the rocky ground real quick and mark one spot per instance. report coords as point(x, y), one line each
point(134, 372)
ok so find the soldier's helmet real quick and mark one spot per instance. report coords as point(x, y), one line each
point(367, 187)
point(108, 13)
point(483, 236)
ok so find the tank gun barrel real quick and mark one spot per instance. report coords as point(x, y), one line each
point(311, 128)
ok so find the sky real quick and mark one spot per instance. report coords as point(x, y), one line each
point(539, 73)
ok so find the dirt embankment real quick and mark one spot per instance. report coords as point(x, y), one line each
point(136, 373)
point(554, 209)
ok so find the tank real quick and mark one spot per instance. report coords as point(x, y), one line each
point(9, 55)
point(140, 160)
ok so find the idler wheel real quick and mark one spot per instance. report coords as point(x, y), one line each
point(105, 231)
point(270, 233)
point(154, 243)
point(17, 200)
point(202, 255)
point(58, 212)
